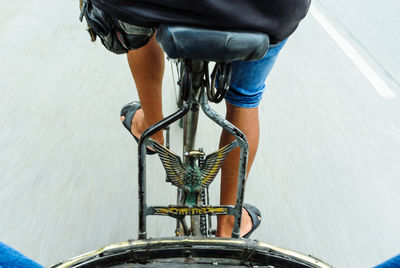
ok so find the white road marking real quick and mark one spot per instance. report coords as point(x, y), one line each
point(358, 61)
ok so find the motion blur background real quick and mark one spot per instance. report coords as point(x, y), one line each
point(327, 173)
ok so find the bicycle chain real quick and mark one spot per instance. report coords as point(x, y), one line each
point(203, 220)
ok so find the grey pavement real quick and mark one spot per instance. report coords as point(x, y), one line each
point(326, 176)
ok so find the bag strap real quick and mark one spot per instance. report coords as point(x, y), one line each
point(83, 6)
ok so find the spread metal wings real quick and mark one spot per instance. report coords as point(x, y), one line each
point(176, 170)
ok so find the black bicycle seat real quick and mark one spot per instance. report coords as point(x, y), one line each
point(211, 45)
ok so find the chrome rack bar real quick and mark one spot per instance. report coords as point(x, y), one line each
point(143, 142)
point(244, 150)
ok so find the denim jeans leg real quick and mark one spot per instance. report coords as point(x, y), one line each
point(248, 78)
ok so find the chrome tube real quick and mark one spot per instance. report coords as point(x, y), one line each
point(244, 151)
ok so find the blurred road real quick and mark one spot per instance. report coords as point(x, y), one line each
point(326, 177)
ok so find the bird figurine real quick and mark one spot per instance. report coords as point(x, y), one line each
point(196, 173)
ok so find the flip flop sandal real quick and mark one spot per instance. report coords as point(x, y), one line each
point(254, 215)
point(129, 110)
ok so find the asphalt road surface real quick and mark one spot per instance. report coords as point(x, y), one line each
point(327, 173)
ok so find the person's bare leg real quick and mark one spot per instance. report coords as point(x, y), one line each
point(246, 119)
point(147, 67)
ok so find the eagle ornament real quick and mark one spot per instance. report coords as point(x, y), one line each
point(192, 176)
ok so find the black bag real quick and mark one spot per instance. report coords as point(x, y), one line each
point(277, 18)
point(117, 36)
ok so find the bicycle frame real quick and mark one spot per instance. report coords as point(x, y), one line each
point(197, 98)
point(180, 251)
point(189, 134)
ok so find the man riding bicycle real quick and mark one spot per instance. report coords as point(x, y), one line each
point(277, 18)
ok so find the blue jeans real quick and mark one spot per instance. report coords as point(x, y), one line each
point(392, 263)
point(248, 78)
point(10, 258)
